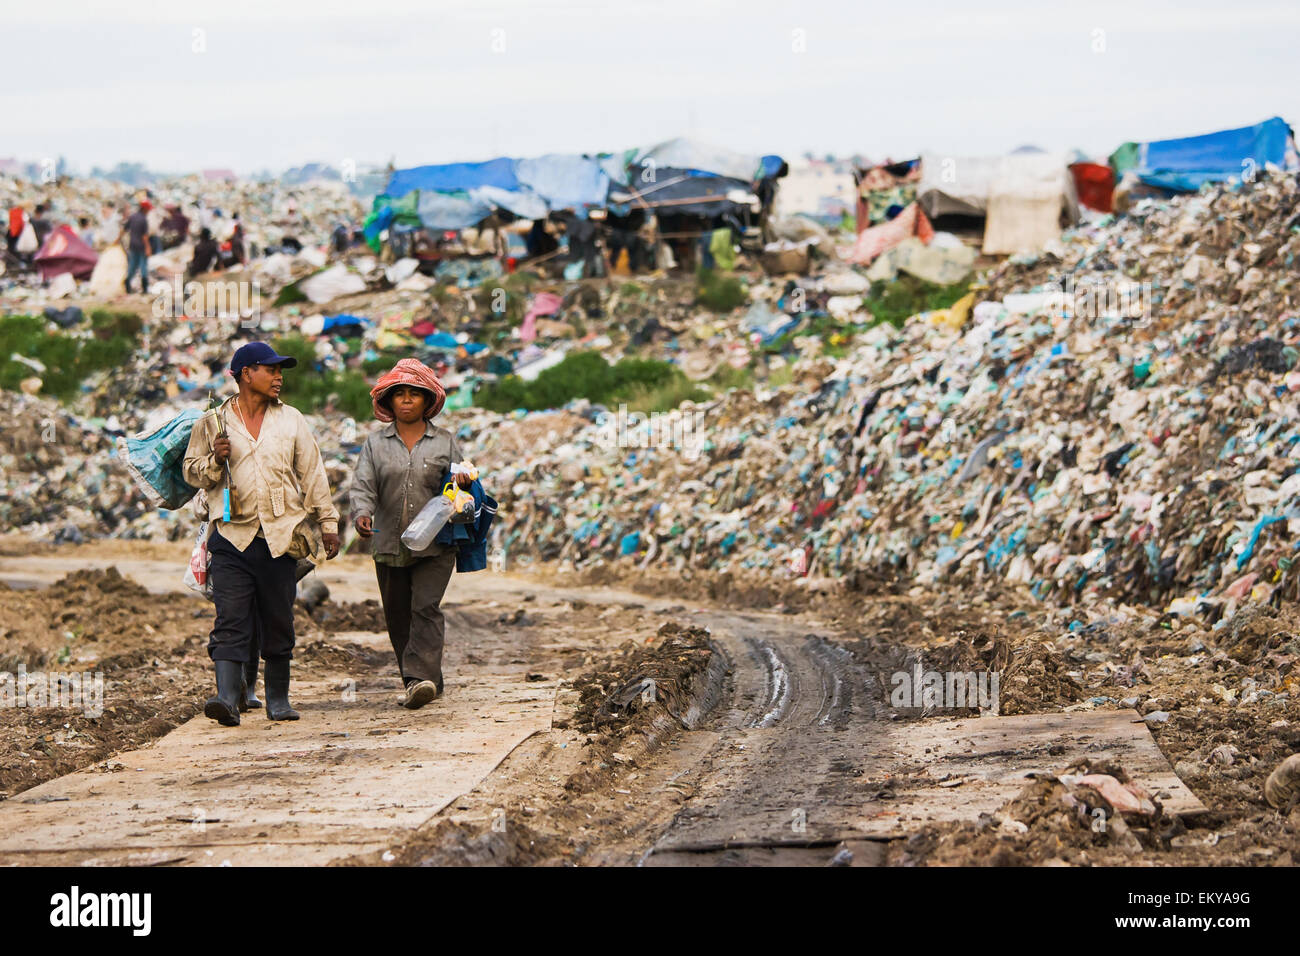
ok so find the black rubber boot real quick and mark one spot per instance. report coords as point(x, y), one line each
point(277, 691)
point(224, 708)
point(249, 700)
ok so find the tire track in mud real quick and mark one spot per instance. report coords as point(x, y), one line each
point(787, 770)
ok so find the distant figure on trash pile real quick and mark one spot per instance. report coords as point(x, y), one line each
point(18, 222)
point(155, 224)
point(237, 254)
point(135, 236)
point(403, 468)
point(41, 225)
point(207, 257)
point(260, 452)
point(341, 239)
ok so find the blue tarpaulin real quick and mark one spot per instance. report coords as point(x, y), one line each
point(565, 182)
point(1186, 164)
point(458, 210)
point(454, 177)
point(333, 323)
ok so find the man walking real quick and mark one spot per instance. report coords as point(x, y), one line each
point(260, 451)
point(137, 247)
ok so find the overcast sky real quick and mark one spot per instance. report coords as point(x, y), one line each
point(253, 84)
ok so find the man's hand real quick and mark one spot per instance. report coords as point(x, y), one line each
point(331, 542)
point(221, 448)
point(363, 526)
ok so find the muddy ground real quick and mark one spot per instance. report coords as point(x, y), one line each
point(615, 771)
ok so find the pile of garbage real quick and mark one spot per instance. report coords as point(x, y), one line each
point(280, 223)
point(1114, 421)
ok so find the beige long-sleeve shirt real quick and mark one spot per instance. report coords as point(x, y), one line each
point(277, 479)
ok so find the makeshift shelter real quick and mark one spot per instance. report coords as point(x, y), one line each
point(1024, 198)
point(460, 195)
point(706, 159)
point(696, 188)
point(693, 188)
point(1184, 165)
point(63, 251)
point(884, 189)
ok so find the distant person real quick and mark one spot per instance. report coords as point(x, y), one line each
point(41, 224)
point(237, 252)
point(87, 233)
point(175, 227)
point(341, 239)
point(155, 227)
point(583, 236)
point(137, 247)
point(207, 255)
point(17, 220)
point(540, 241)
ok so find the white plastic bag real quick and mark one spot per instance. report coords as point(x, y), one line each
point(27, 240)
point(196, 572)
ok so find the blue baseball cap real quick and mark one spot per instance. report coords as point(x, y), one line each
point(258, 353)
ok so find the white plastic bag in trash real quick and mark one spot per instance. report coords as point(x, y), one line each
point(331, 284)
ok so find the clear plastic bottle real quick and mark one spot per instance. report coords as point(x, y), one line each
point(424, 527)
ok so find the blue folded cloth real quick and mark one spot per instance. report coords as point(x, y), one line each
point(470, 539)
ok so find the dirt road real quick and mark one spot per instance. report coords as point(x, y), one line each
point(781, 746)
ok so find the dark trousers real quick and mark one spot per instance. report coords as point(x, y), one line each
point(412, 597)
point(254, 595)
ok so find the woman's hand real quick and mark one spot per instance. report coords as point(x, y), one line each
point(363, 526)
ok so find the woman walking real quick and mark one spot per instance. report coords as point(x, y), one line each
point(401, 468)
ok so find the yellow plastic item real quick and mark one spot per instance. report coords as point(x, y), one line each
point(461, 501)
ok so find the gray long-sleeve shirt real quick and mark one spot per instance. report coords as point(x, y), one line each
point(392, 484)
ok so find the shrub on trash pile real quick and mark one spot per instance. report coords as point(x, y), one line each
point(309, 389)
point(719, 293)
point(895, 302)
point(108, 323)
point(68, 359)
point(729, 377)
point(290, 295)
point(587, 375)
